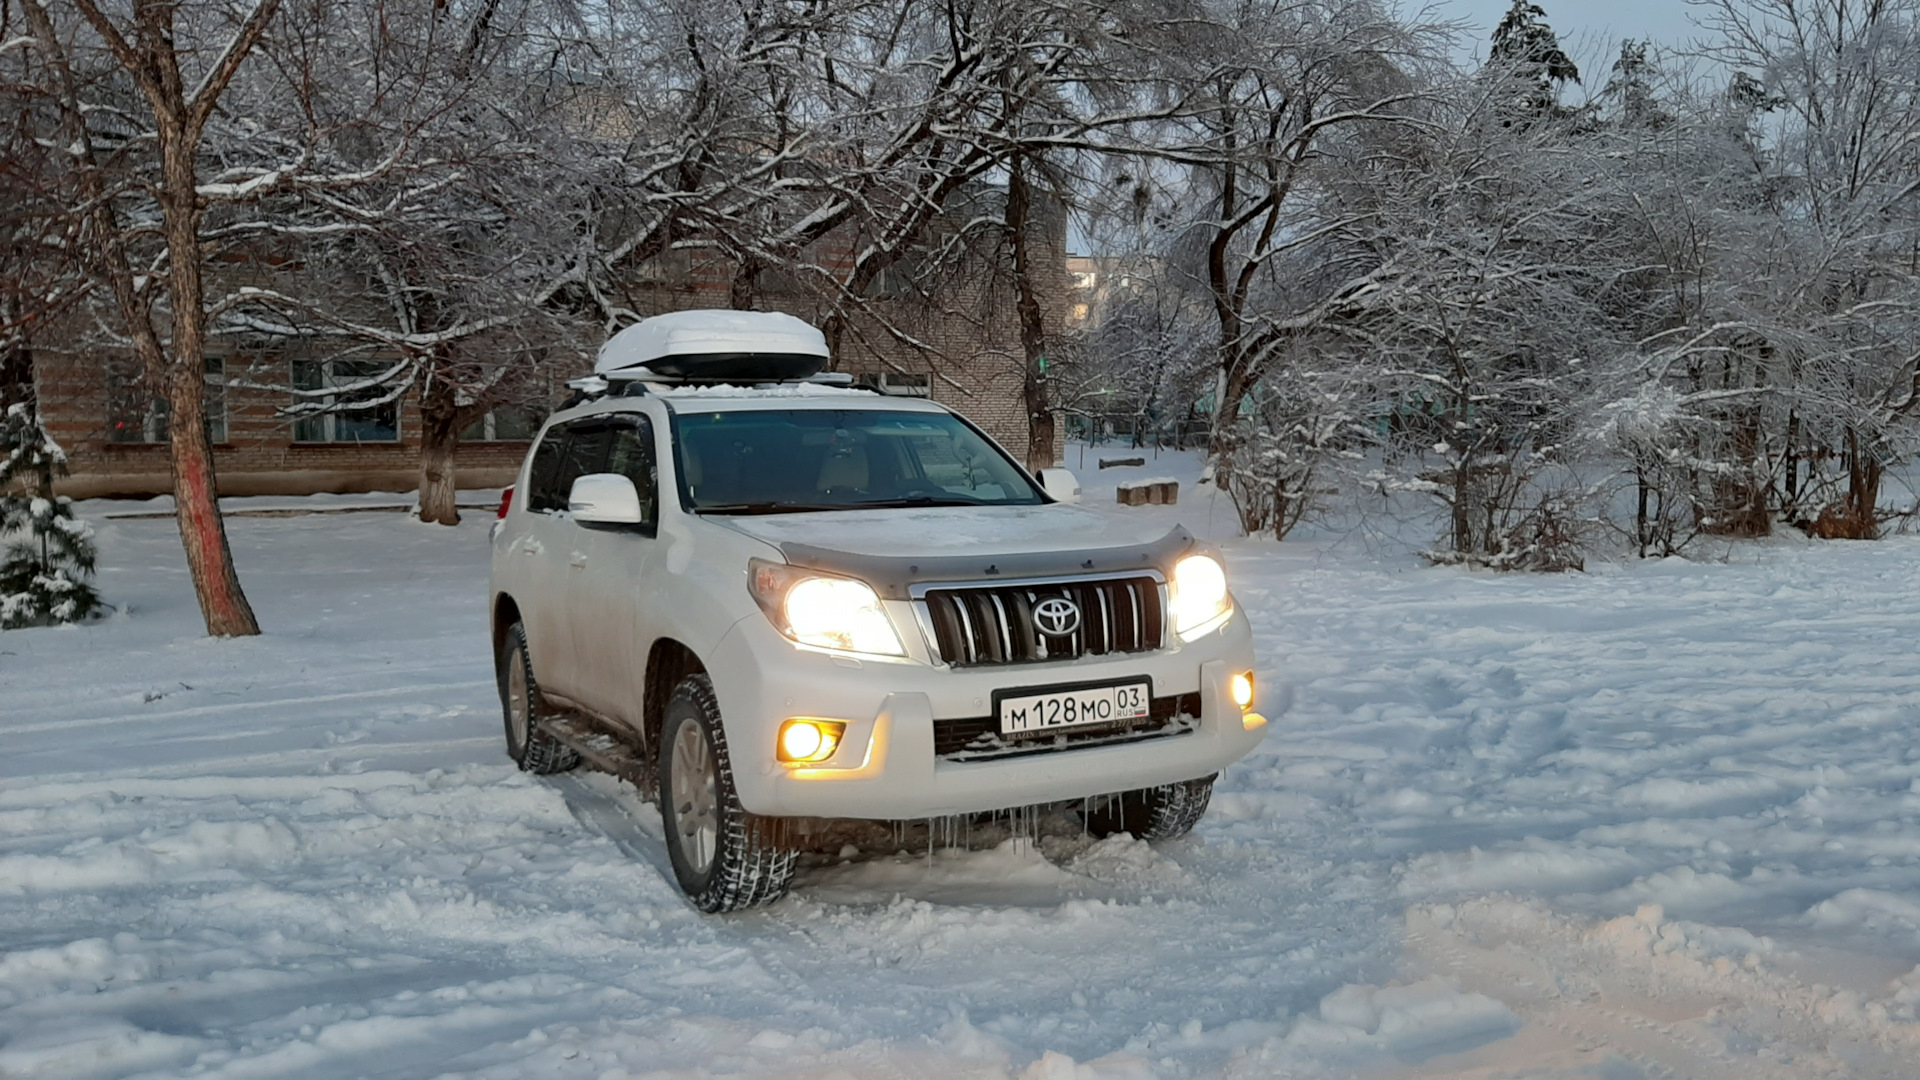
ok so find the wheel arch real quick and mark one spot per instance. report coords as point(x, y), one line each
point(506, 612)
point(668, 662)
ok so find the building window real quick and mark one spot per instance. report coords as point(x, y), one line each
point(897, 383)
point(137, 413)
point(507, 423)
point(359, 408)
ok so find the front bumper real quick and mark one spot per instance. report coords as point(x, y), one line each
point(886, 766)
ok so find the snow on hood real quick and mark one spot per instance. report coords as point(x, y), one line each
point(950, 530)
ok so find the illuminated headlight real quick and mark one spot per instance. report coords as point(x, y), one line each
point(830, 612)
point(1199, 595)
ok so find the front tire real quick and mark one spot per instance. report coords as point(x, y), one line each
point(1165, 812)
point(725, 858)
point(528, 744)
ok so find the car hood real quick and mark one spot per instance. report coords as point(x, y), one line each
point(894, 548)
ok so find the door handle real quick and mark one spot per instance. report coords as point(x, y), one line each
point(578, 561)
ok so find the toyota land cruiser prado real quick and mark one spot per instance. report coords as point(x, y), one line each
point(773, 599)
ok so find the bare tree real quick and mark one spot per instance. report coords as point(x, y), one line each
point(134, 93)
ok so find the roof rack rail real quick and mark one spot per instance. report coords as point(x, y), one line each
point(633, 382)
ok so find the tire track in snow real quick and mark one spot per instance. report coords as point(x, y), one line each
point(264, 705)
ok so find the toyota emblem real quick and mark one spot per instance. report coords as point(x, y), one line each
point(1056, 616)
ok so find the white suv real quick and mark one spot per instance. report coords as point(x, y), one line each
point(783, 602)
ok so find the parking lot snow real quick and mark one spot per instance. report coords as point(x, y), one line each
point(1658, 819)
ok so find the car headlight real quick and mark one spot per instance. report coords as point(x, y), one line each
point(1199, 595)
point(830, 612)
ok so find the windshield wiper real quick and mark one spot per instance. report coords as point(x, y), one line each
point(920, 500)
point(769, 508)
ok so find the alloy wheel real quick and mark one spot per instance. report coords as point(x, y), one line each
point(695, 788)
point(517, 708)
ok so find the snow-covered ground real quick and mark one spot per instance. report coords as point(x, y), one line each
point(1661, 819)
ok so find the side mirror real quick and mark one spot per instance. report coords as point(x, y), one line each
point(1060, 484)
point(604, 499)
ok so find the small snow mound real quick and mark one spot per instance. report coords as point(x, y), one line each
point(1410, 1020)
point(1680, 886)
point(1054, 1065)
point(1122, 859)
point(89, 964)
point(1867, 909)
point(1533, 865)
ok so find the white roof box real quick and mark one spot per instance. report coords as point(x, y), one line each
point(714, 345)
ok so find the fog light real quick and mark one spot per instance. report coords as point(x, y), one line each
point(1241, 687)
point(803, 739)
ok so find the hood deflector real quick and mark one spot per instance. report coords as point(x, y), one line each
point(893, 575)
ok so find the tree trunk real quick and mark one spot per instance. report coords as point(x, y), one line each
point(745, 285)
point(1863, 486)
point(1790, 464)
point(1033, 330)
point(1462, 509)
point(1641, 531)
point(1739, 498)
point(223, 604)
point(437, 484)
point(16, 375)
point(203, 533)
point(441, 421)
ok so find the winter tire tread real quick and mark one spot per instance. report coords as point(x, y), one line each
point(1165, 812)
point(752, 862)
point(543, 755)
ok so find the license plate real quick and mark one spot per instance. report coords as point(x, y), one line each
point(1024, 712)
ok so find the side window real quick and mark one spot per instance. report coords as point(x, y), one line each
point(543, 495)
point(631, 455)
point(586, 453)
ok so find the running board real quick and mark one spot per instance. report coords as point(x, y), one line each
point(600, 749)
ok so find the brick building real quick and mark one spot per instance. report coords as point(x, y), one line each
point(966, 354)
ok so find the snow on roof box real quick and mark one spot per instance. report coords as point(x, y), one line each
point(717, 346)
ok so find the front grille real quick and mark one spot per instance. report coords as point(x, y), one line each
point(977, 738)
point(995, 624)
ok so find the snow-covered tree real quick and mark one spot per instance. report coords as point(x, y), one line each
point(1629, 94)
point(46, 554)
point(1527, 55)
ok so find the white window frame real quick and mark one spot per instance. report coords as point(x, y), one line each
point(899, 384)
point(328, 423)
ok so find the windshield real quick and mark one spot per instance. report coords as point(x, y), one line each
point(775, 461)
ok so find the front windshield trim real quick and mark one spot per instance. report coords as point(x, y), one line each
point(1038, 495)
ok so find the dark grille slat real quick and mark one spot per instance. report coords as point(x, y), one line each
point(946, 625)
point(1026, 639)
point(977, 738)
point(1108, 631)
point(979, 614)
point(994, 624)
